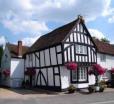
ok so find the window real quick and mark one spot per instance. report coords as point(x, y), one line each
point(74, 75)
point(80, 49)
point(82, 74)
point(102, 57)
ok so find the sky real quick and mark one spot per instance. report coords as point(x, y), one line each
point(27, 20)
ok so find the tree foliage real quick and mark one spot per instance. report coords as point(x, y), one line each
point(1, 53)
point(105, 40)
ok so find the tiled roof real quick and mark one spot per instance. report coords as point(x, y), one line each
point(52, 38)
point(14, 49)
point(104, 47)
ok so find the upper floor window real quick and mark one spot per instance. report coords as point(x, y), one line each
point(103, 57)
point(81, 49)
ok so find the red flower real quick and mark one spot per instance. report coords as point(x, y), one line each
point(71, 66)
point(30, 72)
point(100, 70)
point(112, 70)
point(91, 72)
point(6, 72)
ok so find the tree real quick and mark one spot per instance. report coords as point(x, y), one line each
point(1, 53)
point(105, 40)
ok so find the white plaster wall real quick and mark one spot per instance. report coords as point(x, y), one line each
point(42, 58)
point(45, 75)
point(33, 57)
point(109, 63)
point(47, 57)
point(91, 79)
point(53, 56)
point(65, 77)
point(81, 85)
point(58, 48)
point(50, 75)
point(37, 60)
point(57, 80)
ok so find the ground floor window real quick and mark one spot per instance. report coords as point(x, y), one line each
point(82, 71)
point(80, 75)
point(74, 75)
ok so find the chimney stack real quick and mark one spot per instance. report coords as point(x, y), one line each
point(19, 48)
point(81, 18)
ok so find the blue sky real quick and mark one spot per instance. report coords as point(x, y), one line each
point(27, 20)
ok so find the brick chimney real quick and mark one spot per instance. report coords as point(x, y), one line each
point(19, 48)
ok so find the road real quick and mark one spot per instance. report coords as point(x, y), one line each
point(76, 98)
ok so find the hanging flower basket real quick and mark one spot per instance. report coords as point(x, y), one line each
point(6, 72)
point(71, 66)
point(112, 70)
point(30, 72)
point(98, 69)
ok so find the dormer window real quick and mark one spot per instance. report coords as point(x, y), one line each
point(81, 49)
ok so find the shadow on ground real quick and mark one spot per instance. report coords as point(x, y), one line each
point(27, 91)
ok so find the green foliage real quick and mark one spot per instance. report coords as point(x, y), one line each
point(105, 40)
point(94, 37)
point(1, 53)
point(71, 89)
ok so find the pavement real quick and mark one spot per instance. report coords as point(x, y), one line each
point(24, 96)
point(9, 93)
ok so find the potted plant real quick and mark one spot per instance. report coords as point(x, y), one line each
point(97, 70)
point(91, 88)
point(71, 89)
point(102, 85)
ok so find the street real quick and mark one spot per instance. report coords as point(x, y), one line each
point(76, 98)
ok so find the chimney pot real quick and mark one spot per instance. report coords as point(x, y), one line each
point(19, 48)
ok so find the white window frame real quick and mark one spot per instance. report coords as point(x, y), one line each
point(81, 49)
point(82, 74)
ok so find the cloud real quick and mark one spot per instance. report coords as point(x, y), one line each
point(96, 33)
point(55, 9)
point(52, 10)
point(21, 26)
point(111, 20)
point(2, 40)
point(28, 41)
point(32, 16)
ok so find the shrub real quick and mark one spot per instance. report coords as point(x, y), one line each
point(71, 89)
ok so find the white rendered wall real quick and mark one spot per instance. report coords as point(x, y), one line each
point(65, 80)
point(109, 63)
point(17, 72)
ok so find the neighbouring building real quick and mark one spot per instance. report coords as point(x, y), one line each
point(105, 56)
point(12, 65)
